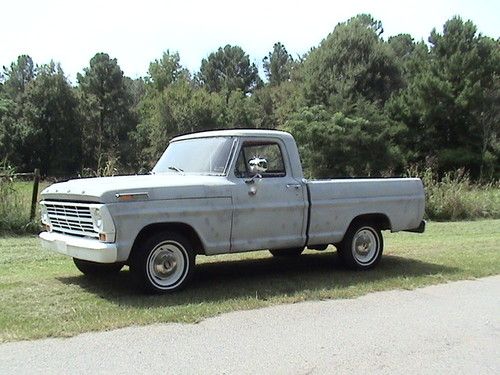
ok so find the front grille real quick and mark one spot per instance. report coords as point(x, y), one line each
point(71, 218)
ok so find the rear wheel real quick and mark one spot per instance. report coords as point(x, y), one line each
point(362, 246)
point(97, 269)
point(163, 263)
point(290, 252)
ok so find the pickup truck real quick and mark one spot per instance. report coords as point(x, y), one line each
point(218, 192)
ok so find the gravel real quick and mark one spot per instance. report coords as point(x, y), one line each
point(448, 328)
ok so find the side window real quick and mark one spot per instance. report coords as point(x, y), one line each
point(251, 152)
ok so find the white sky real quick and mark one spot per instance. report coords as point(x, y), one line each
point(137, 32)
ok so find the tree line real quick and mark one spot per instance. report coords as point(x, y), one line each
point(357, 104)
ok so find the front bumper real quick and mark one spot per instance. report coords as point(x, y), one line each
point(81, 248)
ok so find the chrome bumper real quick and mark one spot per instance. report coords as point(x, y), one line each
point(81, 248)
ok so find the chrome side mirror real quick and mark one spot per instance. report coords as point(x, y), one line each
point(252, 179)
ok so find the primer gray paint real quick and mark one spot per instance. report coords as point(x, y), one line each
point(229, 217)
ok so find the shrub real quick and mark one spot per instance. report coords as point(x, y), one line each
point(456, 197)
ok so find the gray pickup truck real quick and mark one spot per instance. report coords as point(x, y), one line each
point(222, 192)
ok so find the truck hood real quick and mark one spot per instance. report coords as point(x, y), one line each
point(158, 187)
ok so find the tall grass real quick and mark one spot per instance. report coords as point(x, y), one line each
point(455, 197)
point(15, 204)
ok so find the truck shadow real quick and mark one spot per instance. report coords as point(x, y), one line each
point(262, 278)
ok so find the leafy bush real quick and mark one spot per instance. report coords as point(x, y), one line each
point(455, 197)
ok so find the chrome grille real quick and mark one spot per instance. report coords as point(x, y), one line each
point(71, 218)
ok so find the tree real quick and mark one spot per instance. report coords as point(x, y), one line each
point(488, 114)
point(228, 70)
point(278, 65)
point(51, 126)
point(165, 71)
point(106, 110)
point(352, 62)
point(7, 125)
point(335, 145)
point(180, 108)
point(412, 58)
point(402, 45)
point(449, 103)
point(18, 76)
point(368, 21)
point(241, 111)
point(15, 81)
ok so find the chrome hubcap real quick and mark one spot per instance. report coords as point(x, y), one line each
point(365, 245)
point(167, 264)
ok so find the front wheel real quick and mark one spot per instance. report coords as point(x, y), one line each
point(96, 269)
point(163, 263)
point(362, 246)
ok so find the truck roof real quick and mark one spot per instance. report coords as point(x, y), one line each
point(236, 133)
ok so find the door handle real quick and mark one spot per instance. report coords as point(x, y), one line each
point(293, 186)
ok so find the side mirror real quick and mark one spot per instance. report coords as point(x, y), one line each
point(252, 179)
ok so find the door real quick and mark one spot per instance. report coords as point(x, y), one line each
point(269, 204)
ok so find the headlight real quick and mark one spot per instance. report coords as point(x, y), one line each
point(103, 222)
point(44, 215)
point(97, 219)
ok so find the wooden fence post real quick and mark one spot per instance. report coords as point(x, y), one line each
point(34, 197)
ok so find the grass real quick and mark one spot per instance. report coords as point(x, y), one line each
point(456, 197)
point(15, 206)
point(42, 294)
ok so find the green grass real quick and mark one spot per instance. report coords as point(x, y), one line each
point(42, 294)
point(15, 206)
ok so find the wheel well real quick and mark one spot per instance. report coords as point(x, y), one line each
point(181, 228)
point(380, 220)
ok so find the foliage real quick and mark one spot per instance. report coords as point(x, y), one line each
point(105, 107)
point(51, 135)
point(337, 145)
point(455, 197)
point(38, 119)
point(166, 71)
point(352, 62)
point(359, 104)
point(278, 65)
point(179, 108)
point(16, 80)
point(451, 103)
point(18, 76)
point(229, 69)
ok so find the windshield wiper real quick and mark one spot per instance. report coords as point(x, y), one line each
point(175, 169)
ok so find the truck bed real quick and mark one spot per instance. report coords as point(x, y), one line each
point(335, 203)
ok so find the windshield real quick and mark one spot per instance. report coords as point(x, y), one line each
point(198, 156)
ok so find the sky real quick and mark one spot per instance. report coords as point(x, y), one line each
point(137, 32)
